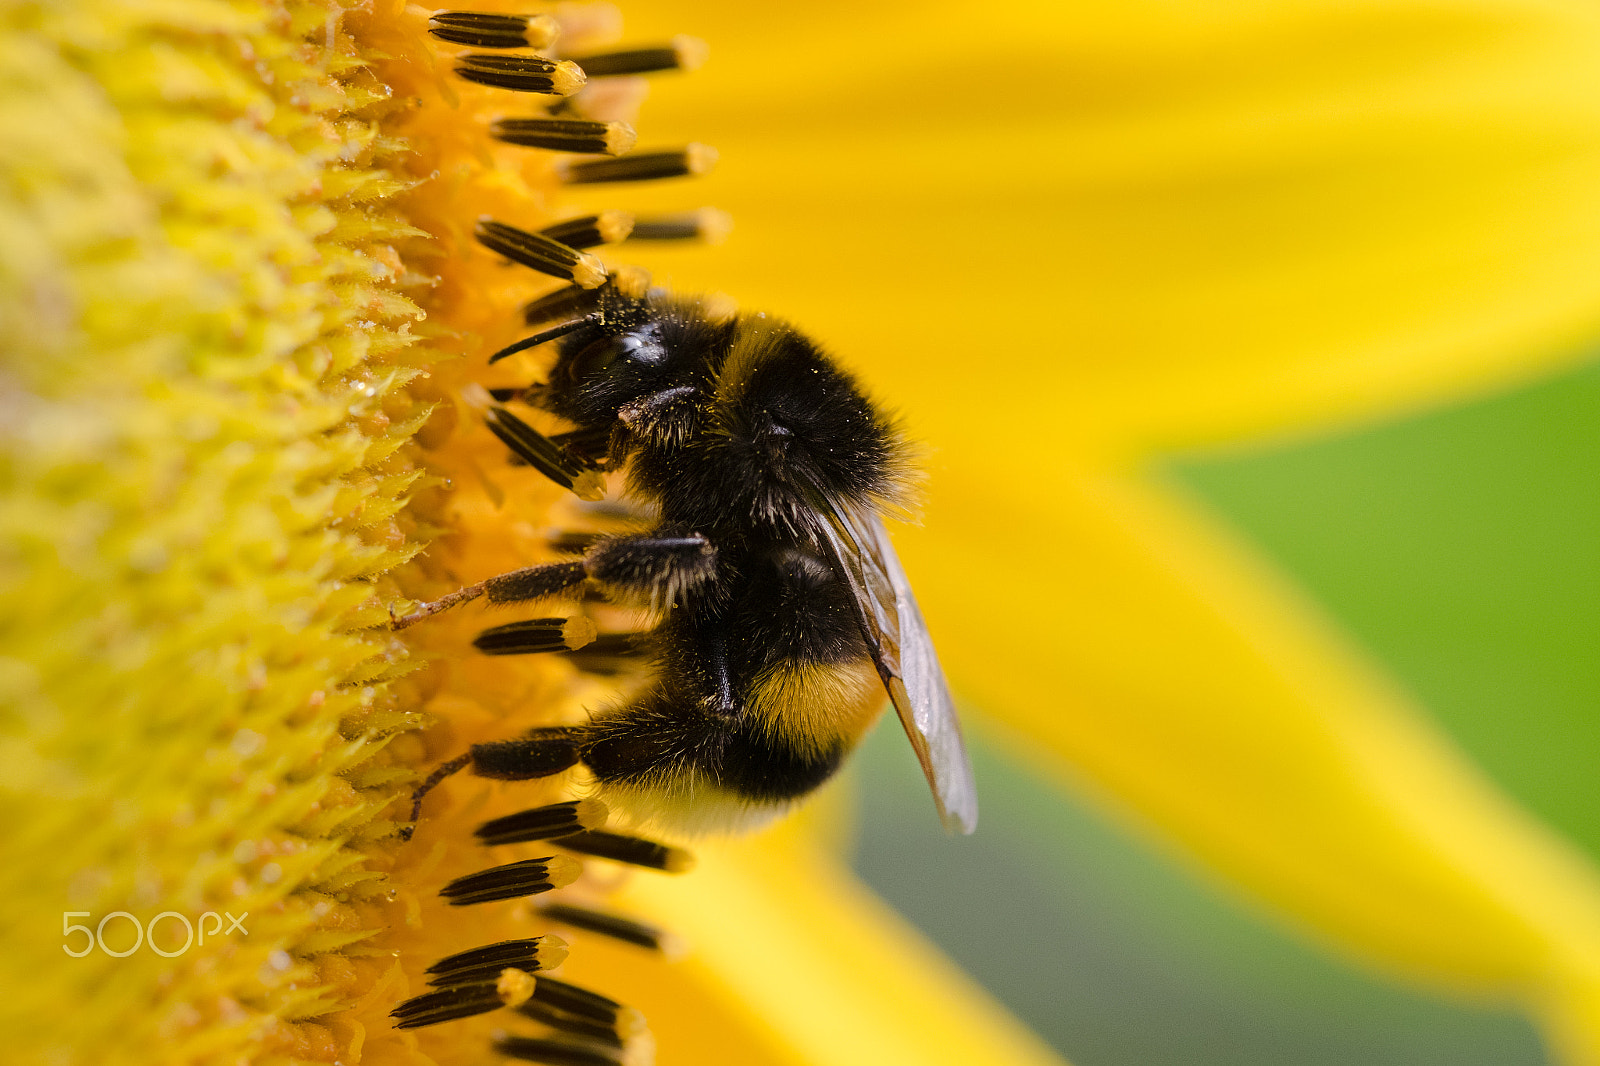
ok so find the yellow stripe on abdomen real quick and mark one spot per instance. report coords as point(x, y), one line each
point(815, 706)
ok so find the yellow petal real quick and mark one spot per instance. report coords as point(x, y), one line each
point(785, 937)
point(202, 361)
point(1181, 677)
point(1173, 223)
point(1157, 222)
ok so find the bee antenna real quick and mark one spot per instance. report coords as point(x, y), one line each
point(544, 337)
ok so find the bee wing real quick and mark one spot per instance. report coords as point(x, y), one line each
point(892, 623)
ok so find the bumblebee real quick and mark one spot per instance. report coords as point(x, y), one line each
point(783, 614)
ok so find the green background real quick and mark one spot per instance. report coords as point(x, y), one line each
point(1459, 548)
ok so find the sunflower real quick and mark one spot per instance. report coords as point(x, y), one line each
point(241, 296)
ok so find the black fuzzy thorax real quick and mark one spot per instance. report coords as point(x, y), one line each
point(783, 433)
point(748, 425)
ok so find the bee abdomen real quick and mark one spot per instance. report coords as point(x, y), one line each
point(816, 706)
point(678, 747)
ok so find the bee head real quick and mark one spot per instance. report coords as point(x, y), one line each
point(644, 360)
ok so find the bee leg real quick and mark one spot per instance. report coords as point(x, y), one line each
point(657, 566)
point(529, 583)
point(538, 754)
point(535, 582)
point(427, 786)
point(665, 417)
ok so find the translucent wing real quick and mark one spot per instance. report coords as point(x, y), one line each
point(903, 652)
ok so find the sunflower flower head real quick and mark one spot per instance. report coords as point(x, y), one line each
point(215, 366)
point(206, 360)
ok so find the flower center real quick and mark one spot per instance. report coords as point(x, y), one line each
point(584, 96)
